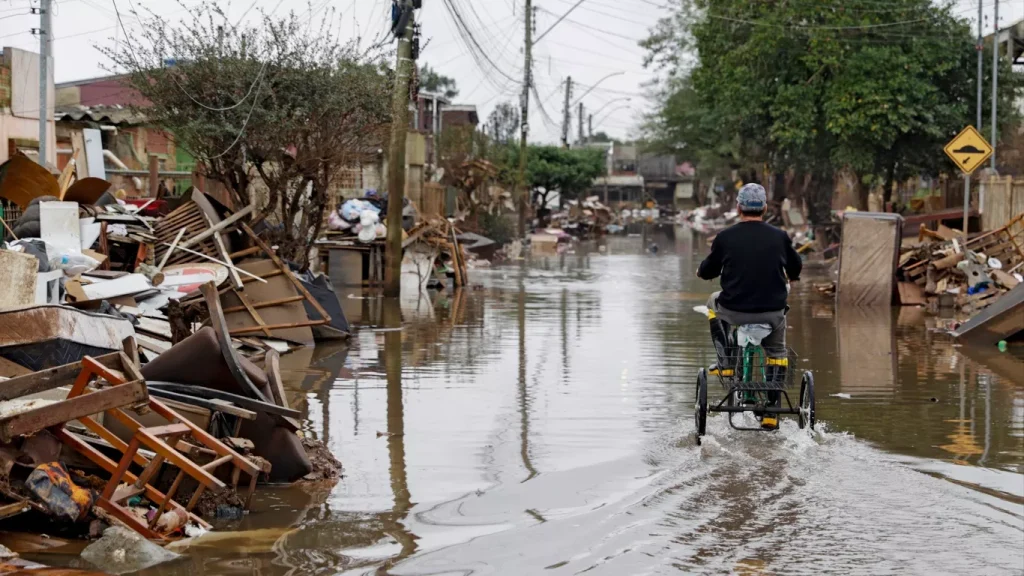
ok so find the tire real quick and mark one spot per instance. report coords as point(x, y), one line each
point(701, 404)
point(807, 409)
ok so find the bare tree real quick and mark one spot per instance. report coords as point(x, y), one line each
point(273, 107)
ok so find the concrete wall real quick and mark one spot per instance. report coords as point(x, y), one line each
point(20, 120)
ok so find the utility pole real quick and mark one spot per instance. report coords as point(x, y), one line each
point(590, 127)
point(980, 47)
point(581, 136)
point(396, 157)
point(524, 120)
point(566, 113)
point(995, 81)
point(45, 29)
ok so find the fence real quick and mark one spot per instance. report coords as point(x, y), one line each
point(1002, 199)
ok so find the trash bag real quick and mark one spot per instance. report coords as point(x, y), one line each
point(368, 226)
point(51, 484)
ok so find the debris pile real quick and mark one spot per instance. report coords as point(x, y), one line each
point(943, 270)
point(139, 357)
point(434, 253)
point(584, 218)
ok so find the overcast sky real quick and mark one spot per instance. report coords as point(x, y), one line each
point(597, 40)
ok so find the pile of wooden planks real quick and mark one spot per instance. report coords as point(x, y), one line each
point(945, 270)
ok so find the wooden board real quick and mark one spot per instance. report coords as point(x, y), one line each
point(868, 258)
point(72, 409)
point(1002, 319)
point(278, 287)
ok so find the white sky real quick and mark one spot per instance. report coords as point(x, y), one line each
point(598, 39)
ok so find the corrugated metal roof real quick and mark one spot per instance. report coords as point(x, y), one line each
point(99, 114)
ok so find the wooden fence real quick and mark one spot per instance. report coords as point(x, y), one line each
point(1003, 198)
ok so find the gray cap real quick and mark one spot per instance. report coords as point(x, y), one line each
point(752, 197)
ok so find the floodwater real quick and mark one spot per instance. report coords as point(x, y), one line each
point(543, 424)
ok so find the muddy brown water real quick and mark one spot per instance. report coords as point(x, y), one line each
point(543, 424)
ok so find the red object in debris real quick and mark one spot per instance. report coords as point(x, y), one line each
point(156, 208)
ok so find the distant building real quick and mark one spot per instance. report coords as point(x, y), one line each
point(460, 115)
point(666, 181)
point(1011, 47)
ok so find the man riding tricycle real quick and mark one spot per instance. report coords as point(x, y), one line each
point(756, 262)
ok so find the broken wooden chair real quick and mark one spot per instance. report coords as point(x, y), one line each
point(168, 442)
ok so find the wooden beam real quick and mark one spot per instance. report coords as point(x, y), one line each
point(267, 304)
point(49, 378)
point(71, 409)
point(215, 228)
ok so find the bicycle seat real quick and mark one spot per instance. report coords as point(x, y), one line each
point(752, 334)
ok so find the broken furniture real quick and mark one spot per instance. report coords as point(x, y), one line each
point(109, 385)
point(208, 359)
point(274, 308)
point(945, 270)
point(40, 337)
point(170, 443)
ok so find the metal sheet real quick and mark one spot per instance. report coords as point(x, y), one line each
point(94, 153)
point(998, 322)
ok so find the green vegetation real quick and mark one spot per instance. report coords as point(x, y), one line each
point(797, 88)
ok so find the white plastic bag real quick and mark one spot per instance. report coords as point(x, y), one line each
point(74, 264)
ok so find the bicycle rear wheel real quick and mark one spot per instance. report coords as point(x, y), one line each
point(807, 401)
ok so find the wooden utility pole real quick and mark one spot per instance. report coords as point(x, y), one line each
point(396, 158)
point(567, 113)
point(582, 138)
point(590, 127)
point(524, 120)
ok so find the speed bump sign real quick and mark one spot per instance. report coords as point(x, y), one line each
point(969, 150)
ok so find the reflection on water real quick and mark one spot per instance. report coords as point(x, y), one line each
point(542, 423)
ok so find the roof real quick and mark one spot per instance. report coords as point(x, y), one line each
point(459, 108)
point(98, 114)
point(424, 95)
point(85, 81)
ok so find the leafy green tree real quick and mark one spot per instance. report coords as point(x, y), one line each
point(549, 169)
point(432, 81)
point(812, 91)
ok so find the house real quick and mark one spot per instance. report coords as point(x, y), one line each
point(667, 182)
point(460, 115)
point(19, 105)
point(622, 183)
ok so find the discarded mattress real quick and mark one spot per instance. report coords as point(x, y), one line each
point(40, 337)
point(198, 360)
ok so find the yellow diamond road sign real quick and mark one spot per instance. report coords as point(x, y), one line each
point(969, 150)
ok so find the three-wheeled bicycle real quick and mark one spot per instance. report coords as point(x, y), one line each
point(755, 380)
